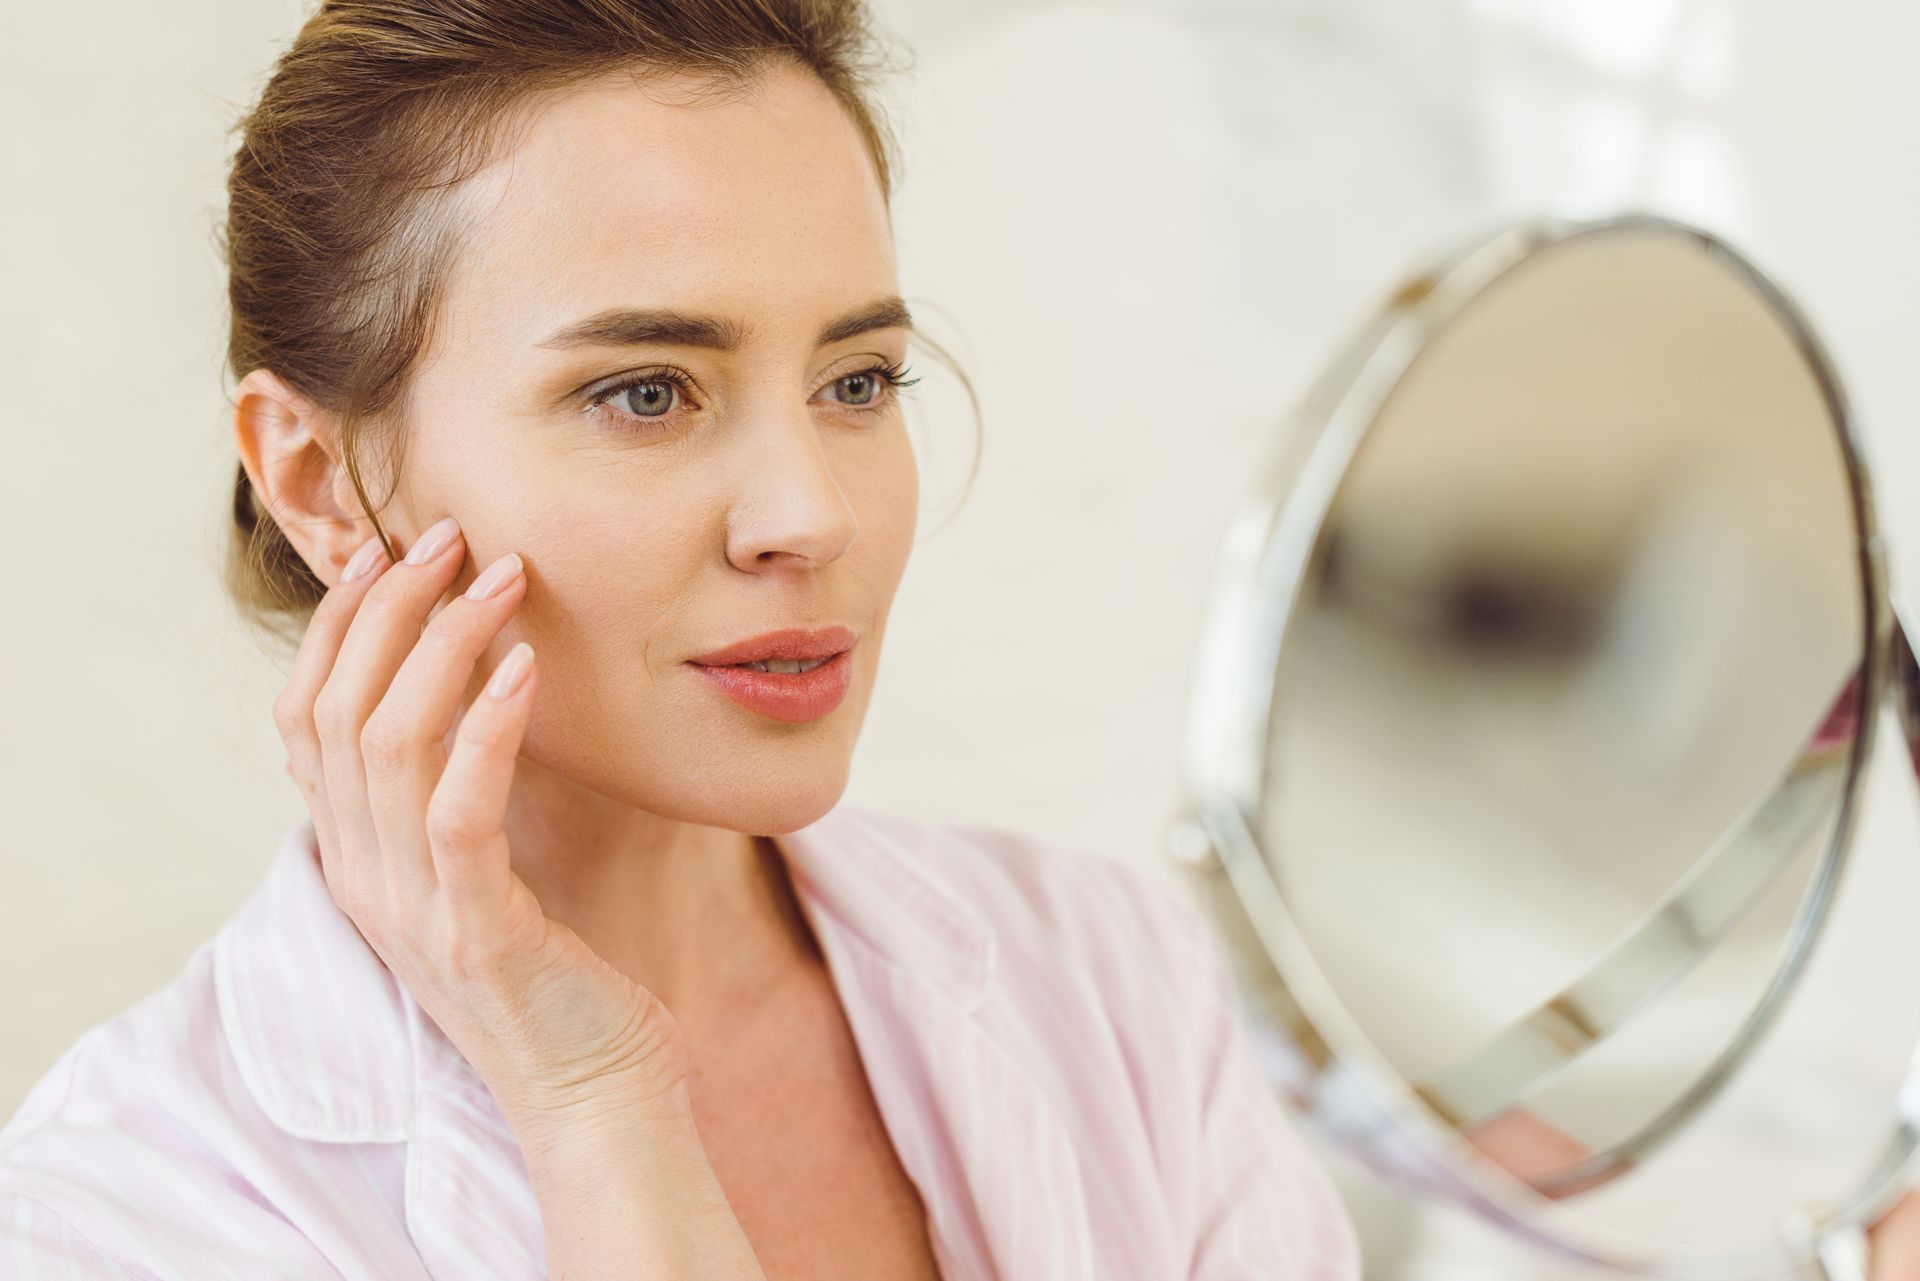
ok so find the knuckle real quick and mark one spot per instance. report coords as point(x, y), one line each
point(465, 955)
point(392, 604)
point(349, 892)
point(331, 718)
point(452, 825)
point(481, 731)
point(445, 637)
point(366, 896)
point(384, 742)
point(290, 714)
point(377, 603)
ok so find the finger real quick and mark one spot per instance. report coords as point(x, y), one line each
point(467, 808)
point(1895, 1254)
point(383, 631)
point(293, 706)
point(405, 739)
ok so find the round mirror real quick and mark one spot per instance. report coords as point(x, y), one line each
point(1530, 718)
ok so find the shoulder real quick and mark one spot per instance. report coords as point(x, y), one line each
point(140, 1146)
point(158, 1057)
point(132, 1099)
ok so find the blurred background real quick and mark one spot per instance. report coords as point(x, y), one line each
point(1141, 227)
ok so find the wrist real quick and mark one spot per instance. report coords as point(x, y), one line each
point(630, 1191)
point(626, 1131)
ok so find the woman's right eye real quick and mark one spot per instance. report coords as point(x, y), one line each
point(649, 399)
point(645, 398)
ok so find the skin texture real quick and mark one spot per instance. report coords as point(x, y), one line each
point(762, 502)
point(566, 877)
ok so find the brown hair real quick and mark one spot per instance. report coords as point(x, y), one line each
point(340, 220)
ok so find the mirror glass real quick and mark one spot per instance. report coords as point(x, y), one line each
point(1568, 699)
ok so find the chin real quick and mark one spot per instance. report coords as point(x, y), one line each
point(786, 808)
point(765, 804)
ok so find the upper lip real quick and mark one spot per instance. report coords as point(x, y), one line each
point(791, 643)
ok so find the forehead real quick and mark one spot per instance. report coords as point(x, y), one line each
point(616, 193)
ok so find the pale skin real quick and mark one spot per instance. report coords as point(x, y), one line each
point(565, 877)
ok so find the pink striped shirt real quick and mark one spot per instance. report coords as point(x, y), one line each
point(1053, 1042)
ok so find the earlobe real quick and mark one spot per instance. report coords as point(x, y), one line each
point(286, 444)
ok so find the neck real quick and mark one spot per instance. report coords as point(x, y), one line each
point(703, 917)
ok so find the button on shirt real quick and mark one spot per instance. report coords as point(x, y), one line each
point(1053, 1041)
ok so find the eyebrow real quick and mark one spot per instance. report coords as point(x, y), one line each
point(634, 327)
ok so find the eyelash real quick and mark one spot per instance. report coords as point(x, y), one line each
point(891, 374)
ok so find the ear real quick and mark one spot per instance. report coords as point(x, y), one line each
point(290, 449)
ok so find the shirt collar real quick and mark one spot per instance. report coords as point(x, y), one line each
point(329, 1042)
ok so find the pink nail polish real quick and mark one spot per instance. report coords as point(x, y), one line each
point(511, 672)
point(496, 577)
point(434, 541)
point(363, 560)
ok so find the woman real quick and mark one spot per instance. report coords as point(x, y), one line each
point(577, 967)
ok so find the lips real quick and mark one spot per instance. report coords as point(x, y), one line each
point(791, 643)
point(783, 696)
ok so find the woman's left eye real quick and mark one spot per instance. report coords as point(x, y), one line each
point(866, 387)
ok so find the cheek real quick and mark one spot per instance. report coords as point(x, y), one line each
point(888, 503)
point(609, 593)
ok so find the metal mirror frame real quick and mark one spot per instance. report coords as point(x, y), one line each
point(1310, 1046)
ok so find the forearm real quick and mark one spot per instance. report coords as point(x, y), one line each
point(635, 1196)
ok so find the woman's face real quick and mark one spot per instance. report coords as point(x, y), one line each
point(657, 521)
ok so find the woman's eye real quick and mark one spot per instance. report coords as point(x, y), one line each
point(649, 399)
point(866, 387)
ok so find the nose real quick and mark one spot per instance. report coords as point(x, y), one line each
point(789, 510)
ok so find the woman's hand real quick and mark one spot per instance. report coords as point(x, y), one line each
point(587, 1066)
point(411, 842)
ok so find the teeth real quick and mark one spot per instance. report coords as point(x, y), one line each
point(790, 666)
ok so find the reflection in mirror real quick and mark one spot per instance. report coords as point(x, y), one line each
point(1568, 699)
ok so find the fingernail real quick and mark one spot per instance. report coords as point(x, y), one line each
point(434, 541)
point(498, 575)
point(363, 560)
point(512, 670)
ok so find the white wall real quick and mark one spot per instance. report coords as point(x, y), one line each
point(1140, 226)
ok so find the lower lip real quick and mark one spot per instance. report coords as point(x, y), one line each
point(785, 696)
